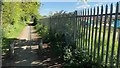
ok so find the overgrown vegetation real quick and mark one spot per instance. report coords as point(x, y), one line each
point(42, 31)
point(15, 15)
point(70, 55)
point(61, 32)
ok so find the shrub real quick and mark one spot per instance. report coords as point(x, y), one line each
point(71, 55)
point(78, 57)
point(43, 32)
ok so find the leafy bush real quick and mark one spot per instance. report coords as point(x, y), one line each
point(57, 43)
point(78, 57)
point(67, 52)
point(43, 32)
point(71, 56)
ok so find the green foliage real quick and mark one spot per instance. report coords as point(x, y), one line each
point(57, 43)
point(11, 35)
point(14, 17)
point(16, 13)
point(13, 31)
point(42, 31)
point(70, 55)
point(78, 57)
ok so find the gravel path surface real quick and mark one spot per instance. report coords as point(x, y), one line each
point(26, 52)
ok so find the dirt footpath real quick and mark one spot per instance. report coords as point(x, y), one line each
point(26, 52)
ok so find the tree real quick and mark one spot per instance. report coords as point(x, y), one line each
point(18, 12)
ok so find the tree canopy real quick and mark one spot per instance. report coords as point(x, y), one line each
point(18, 12)
point(14, 12)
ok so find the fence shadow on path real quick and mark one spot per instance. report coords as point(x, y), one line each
point(27, 54)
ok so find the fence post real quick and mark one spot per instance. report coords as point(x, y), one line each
point(108, 38)
point(75, 27)
point(96, 29)
point(100, 29)
point(87, 30)
point(80, 29)
point(114, 35)
point(50, 25)
point(1, 33)
point(104, 31)
point(118, 51)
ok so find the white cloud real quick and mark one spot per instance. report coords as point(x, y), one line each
point(82, 6)
point(98, 4)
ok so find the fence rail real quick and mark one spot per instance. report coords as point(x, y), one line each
point(88, 30)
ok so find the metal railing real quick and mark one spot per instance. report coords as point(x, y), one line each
point(92, 30)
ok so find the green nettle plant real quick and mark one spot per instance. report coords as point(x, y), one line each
point(78, 57)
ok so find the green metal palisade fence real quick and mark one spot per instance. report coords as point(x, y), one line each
point(91, 30)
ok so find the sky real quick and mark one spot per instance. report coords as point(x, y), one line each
point(47, 7)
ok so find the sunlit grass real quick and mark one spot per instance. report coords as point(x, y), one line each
point(14, 31)
point(11, 33)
